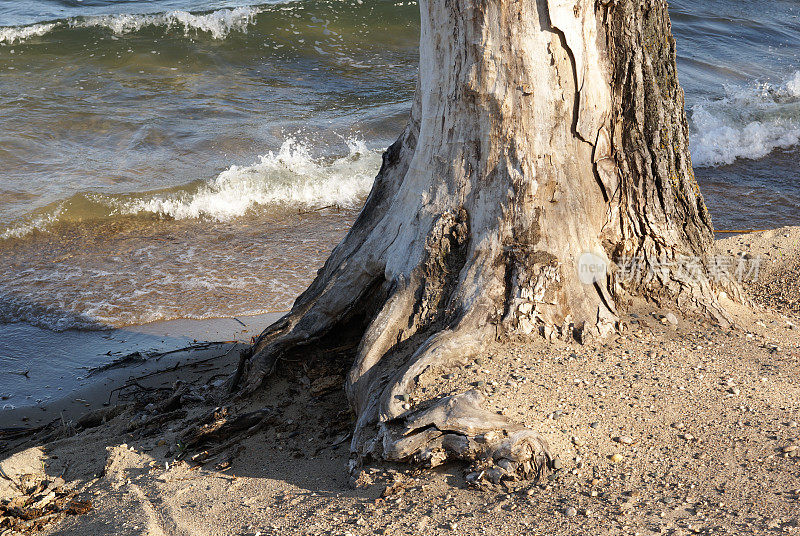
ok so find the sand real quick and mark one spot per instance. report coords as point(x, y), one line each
point(663, 429)
point(39, 366)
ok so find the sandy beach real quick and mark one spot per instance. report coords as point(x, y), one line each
point(667, 428)
point(47, 366)
point(256, 254)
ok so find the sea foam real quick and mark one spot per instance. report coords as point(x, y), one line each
point(748, 123)
point(290, 176)
point(218, 24)
point(17, 34)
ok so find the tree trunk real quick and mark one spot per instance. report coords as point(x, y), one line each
point(541, 131)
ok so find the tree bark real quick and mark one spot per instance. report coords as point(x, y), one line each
point(541, 130)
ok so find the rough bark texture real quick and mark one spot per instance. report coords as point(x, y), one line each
point(541, 130)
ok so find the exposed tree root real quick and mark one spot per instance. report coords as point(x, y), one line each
point(456, 427)
point(221, 425)
point(541, 131)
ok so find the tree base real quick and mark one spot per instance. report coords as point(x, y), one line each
point(540, 132)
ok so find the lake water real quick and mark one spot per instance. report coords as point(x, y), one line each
point(176, 159)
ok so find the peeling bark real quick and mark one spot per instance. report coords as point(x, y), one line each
point(541, 130)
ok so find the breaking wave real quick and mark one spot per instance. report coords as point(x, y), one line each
point(16, 34)
point(217, 24)
point(291, 176)
point(748, 123)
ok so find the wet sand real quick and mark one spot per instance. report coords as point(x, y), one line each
point(54, 369)
point(666, 428)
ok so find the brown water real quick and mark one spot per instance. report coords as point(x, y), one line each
point(127, 271)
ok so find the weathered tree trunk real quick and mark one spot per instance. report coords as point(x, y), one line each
point(541, 130)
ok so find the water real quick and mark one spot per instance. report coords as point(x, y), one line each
point(161, 161)
point(176, 159)
point(739, 64)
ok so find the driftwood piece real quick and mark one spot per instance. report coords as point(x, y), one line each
point(100, 416)
point(129, 360)
point(220, 424)
point(18, 432)
point(155, 420)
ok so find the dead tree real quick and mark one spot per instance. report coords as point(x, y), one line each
point(541, 131)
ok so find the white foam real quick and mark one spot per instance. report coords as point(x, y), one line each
point(292, 176)
point(218, 23)
point(748, 123)
point(794, 85)
point(37, 223)
point(16, 34)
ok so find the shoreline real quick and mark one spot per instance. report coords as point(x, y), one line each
point(103, 389)
point(665, 428)
point(64, 365)
point(160, 345)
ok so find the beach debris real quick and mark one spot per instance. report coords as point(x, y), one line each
point(79, 508)
point(625, 440)
point(136, 358)
point(175, 401)
point(326, 384)
point(397, 486)
point(29, 498)
point(220, 425)
point(361, 479)
point(147, 423)
point(96, 418)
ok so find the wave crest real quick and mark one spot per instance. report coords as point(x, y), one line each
point(291, 176)
point(748, 123)
point(218, 24)
point(17, 34)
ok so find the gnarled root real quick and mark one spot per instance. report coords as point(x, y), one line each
point(446, 428)
point(457, 428)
